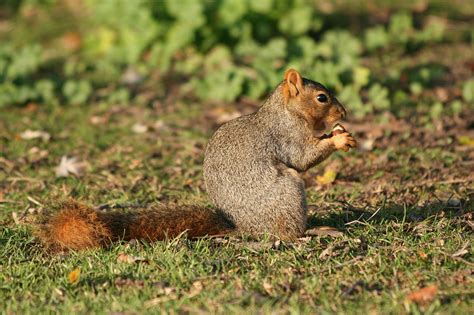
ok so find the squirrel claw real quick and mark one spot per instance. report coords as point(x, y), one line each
point(344, 141)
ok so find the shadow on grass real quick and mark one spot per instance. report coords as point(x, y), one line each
point(390, 213)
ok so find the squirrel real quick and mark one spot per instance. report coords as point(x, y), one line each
point(252, 167)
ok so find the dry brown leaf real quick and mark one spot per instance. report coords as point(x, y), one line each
point(127, 282)
point(305, 239)
point(161, 299)
point(35, 134)
point(139, 128)
point(15, 217)
point(422, 255)
point(35, 155)
point(324, 231)
point(461, 252)
point(99, 120)
point(124, 258)
point(268, 287)
point(131, 76)
point(165, 293)
point(367, 144)
point(71, 41)
point(69, 166)
point(163, 288)
point(326, 252)
point(196, 288)
point(423, 296)
point(74, 276)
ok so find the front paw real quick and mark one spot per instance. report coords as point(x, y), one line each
point(344, 141)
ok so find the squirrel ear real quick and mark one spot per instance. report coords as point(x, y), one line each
point(294, 82)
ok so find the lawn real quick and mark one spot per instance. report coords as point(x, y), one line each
point(400, 206)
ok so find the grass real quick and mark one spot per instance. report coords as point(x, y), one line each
point(404, 208)
point(403, 201)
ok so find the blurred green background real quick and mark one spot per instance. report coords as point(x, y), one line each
point(402, 56)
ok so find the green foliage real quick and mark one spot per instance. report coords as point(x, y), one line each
point(225, 49)
point(77, 92)
point(468, 91)
point(378, 97)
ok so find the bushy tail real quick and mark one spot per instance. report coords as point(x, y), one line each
point(77, 226)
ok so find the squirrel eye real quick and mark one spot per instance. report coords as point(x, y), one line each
point(322, 98)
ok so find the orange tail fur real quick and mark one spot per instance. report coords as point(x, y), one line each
point(77, 226)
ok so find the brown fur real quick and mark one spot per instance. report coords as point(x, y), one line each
point(251, 170)
point(77, 226)
point(251, 163)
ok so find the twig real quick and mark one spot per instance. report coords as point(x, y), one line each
point(351, 207)
point(356, 221)
point(124, 205)
point(377, 211)
point(36, 202)
point(441, 182)
point(458, 259)
point(357, 258)
point(373, 214)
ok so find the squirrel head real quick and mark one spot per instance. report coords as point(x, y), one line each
point(311, 101)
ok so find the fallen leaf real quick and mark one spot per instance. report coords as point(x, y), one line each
point(74, 276)
point(256, 246)
point(196, 288)
point(276, 244)
point(424, 295)
point(127, 282)
point(461, 252)
point(305, 239)
point(324, 231)
point(327, 178)
point(35, 134)
point(159, 125)
point(131, 76)
point(139, 128)
point(422, 255)
point(69, 166)
point(59, 292)
point(466, 140)
point(326, 252)
point(161, 299)
point(35, 155)
point(164, 292)
point(163, 288)
point(15, 217)
point(124, 258)
point(367, 144)
point(99, 120)
point(71, 41)
point(31, 107)
point(268, 287)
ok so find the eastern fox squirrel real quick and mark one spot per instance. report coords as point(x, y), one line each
point(251, 171)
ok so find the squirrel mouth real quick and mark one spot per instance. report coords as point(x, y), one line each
point(328, 132)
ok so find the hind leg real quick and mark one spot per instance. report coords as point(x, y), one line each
point(281, 210)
